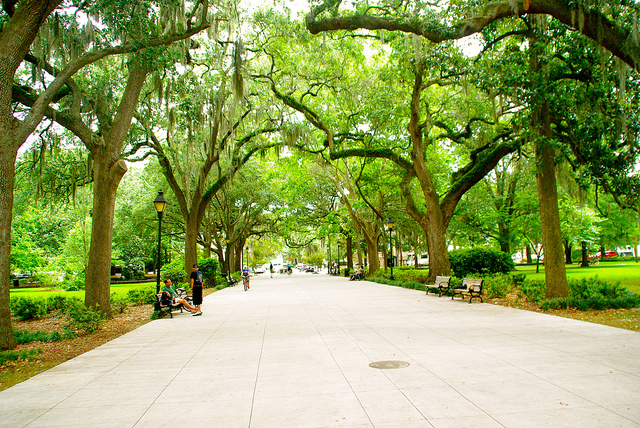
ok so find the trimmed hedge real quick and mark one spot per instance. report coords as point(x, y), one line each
point(481, 261)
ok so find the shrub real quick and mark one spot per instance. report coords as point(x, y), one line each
point(74, 283)
point(48, 279)
point(57, 302)
point(26, 336)
point(532, 289)
point(9, 356)
point(81, 318)
point(593, 293)
point(142, 296)
point(185, 285)
point(26, 308)
point(209, 268)
point(119, 304)
point(413, 285)
point(175, 271)
point(479, 260)
point(497, 285)
point(410, 274)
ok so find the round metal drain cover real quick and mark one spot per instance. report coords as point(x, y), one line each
point(389, 364)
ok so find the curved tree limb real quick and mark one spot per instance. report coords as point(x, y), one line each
point(592, 23)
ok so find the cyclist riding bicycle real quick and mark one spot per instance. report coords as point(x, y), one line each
point(245, 277)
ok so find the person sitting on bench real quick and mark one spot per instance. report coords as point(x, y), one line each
point(357, 275)
point(174, 296)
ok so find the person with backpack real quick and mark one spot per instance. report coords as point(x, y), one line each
point(196, 288)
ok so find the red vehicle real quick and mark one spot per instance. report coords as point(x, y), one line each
point(607, 253)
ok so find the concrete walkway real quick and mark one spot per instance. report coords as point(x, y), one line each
point(295, 352)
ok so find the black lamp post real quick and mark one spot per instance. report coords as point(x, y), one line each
point(161, 204)
point(390, 227)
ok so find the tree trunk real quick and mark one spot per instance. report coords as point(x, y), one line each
point(554, 268)
point(98, 276)
point(438, 254)
point(17, 35)
point(349, 253)
point(504, 237)
point(108, 171)
point(7, 181)
point(192, 227)
point(372, 251)
point(585, 254)
point(239, 255)
point(528, 254)
point(567, 252)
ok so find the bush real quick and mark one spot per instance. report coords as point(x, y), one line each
point(9, 356)
point(26, 308)
point(593, 293)
point(410, 274)
point(81, 318)
point(413, 285)
point(497, 285)
point(26, 336)
point(119, 304)
point(48, 279)
point(209, 269)
point(74, 283)
point(480, 260)
point(142, 296)
point(532, 289)
point(57, 302)
point(175, 271)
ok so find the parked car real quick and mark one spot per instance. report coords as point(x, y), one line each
point(607, 253)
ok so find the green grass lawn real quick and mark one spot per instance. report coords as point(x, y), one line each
point(625, 272)
point(44, 292)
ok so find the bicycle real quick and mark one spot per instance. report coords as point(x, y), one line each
point(245, 282)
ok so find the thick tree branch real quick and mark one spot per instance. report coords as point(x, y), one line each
point(590, 22)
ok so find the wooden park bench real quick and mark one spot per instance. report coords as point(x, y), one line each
point(441, 284)
point(231, 281)
point(471, 287)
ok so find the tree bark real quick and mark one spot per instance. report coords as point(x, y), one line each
point(554, 267)
point(18, 33)
point(349, 252)
point(192, 227)
point(585, 254)
point(567, 252)
point(372, 251)
point(7, 181)
point(108, 171)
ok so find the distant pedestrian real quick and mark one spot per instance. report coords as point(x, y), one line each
point(196, 288)
point(271, 269)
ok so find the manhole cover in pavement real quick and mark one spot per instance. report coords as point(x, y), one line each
point(389, 364)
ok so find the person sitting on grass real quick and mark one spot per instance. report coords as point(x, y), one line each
point(174, 296)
